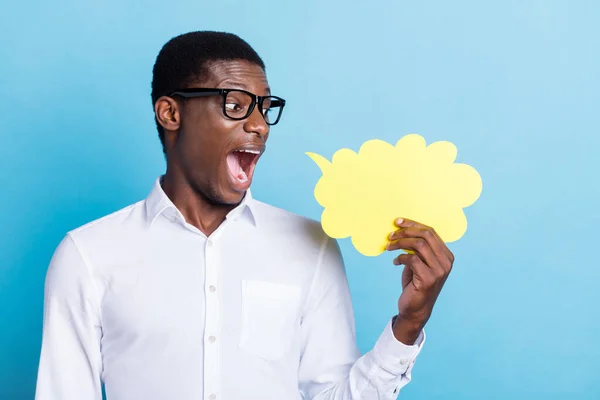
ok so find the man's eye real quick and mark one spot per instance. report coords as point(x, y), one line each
point(233, 106)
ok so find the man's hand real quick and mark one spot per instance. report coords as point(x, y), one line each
point(424, 275)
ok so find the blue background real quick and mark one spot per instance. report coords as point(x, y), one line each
point(514, 84)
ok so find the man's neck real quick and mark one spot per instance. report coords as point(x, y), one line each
point(195, 207)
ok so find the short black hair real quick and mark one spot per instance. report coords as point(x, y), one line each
point(185, 59)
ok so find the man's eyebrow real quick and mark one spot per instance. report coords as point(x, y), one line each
point(239, 85)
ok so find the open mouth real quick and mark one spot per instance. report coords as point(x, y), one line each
point(241, 165)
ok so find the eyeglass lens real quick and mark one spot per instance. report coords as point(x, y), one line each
point(238, 105)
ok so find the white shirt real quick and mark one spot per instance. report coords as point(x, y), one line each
point(147, 304)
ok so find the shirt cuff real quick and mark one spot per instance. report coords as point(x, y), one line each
point(393, 355)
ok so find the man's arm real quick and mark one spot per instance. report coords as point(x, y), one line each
point(331, 367)
point(70, 362)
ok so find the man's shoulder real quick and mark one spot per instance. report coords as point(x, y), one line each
point(123, 220)
point(306, 233)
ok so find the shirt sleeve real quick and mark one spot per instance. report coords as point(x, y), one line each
point(70, 362)
point(331, 367)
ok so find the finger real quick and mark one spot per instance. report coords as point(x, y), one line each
point(435, 242)
point(421, 247)
point(403, 223)
point(421, 274)
point(440, 266)
point(408, 223)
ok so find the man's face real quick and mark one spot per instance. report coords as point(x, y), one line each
point(216, 154)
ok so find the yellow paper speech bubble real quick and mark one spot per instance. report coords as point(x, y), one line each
point(362, 194)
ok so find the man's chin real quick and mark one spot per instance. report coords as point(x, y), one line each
point(228, 196)
point(235, 197)
point(228, 192)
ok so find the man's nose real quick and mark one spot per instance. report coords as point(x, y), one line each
point(255, 123)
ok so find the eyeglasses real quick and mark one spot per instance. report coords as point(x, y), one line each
point(239, 104)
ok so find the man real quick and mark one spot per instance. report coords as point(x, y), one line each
point(201, 291)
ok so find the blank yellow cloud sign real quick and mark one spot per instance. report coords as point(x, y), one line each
point(364, 193)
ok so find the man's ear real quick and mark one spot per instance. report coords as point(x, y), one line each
point(167, 113)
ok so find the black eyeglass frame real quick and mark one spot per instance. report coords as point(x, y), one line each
point(207, 92)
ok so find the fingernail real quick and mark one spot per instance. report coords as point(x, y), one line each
point(391, 236)
point(399, 221)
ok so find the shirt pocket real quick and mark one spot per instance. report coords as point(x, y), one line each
point(270, 318)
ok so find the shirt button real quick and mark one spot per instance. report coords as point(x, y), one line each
point(212, 397)
point(212, 339)
point(404, 361)
point(212, 288)
point(209, 243)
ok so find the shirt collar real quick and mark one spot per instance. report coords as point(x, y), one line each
point(157, 203)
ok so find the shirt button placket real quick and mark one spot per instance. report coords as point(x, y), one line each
point(211, 342)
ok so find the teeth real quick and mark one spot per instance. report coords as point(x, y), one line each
point(249, 151)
